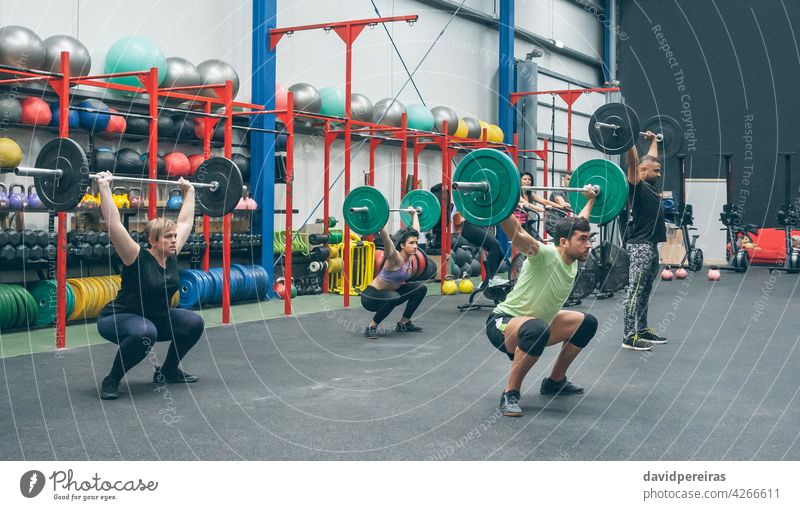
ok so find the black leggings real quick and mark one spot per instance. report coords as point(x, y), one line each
point(136, 335)
point(382, 302)
point(479, 236)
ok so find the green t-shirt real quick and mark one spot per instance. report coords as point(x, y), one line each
point(543, 285)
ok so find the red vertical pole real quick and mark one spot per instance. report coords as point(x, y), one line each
point(347, 95)
point(569, 137)
point(62, 89)
point(206, 220)
point(326, 197)
point(416, 162)
point(227, 97)
point(287, 303)
point(445, 203)
point(373, 145)
point(403, 135)
point(152, 147)
point(545, 172)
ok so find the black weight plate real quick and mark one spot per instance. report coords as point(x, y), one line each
point(224, 198)
point(614, 141)
point(65, 192)
point(673, 136)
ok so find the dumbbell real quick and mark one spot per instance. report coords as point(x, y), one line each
point(50, 252)
point(3, 237)
point(29, 237)
point(74, 237)
point(23, 252)
point(82, 250)
point(8, 253)
point(14, 237)
point(42, 237)
point(102, 237)
point(37, 253)
point(90, 236)
point(97, 251)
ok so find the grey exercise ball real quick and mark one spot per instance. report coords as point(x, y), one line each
point(388, 112)
point(444, 113)
point(360, 107)
point(21, 47)
point(80, 61)
point(306, 98)
point(473, 127)
point(217, 71)
point(182, 73)
point(10, 109)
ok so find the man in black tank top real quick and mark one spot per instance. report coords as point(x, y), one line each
point(645, 228)
point(141, 315)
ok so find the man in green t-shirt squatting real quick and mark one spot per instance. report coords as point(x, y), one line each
point(531, 317)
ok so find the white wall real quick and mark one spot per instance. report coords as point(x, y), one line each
point(460, 72)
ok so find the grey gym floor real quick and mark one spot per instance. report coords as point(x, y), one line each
point(312, 388)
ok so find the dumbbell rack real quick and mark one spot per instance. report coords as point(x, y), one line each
point(61, 83)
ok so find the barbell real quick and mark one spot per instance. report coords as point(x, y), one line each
point(486, 188)
point(366, 210)
point(614, 128)
point(61, 176)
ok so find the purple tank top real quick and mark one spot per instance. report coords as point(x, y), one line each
point(398, 276)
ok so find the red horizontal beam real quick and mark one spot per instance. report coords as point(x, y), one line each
point(516, 95)
point(275, 34)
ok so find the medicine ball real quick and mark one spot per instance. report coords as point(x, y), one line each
point(138, 126)
point(93, 121)
point(184, 128)
point(104, 160)
point(10, 109)
point(166, 127)
point(36, 112)
point(243, 162)
point(73, 119)
point(177, 164)
point(116, 125)
point(161, 165)
point(195, 160)
point(128, 161)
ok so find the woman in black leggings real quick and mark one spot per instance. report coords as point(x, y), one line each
point(391, 287)
point(141, 315)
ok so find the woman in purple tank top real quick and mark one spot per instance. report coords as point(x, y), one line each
point(391, 287)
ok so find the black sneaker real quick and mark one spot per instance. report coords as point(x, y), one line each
point(650, 336)
point(509, 404)
point(371, 332)
point(179, 376)
point(562, 387)
point(108, 390)
point(408, 327)
point(635, 343)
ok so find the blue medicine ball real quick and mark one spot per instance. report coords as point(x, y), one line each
point(91, 121)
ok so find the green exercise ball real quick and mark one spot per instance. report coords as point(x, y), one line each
point(332, 101)
point(135, 53)
point(419, 117)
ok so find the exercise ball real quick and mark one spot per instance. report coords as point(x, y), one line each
point(442, 114)
point(180, 73)
point(10, 153)
point(134, 53)
point(388, 112)
point(184, 128)
point(104, 160)
point(306, 98)
point(21, 47)
point(495, 134)
point(280, 96)
point(144, 165)
point(195, 160)
point(462, 130)
point(138, 126)
point(73, 119)
point(177, 164)
point(331, 102)
point(80, 61)
point(129, 162)
point(473, 127)
point(92, 121)
point(36, 112)
point(243, 162)
point(360, 107)
point(419, 117)
point(116, 124)
point(10, 109)
point(215, 71)
point(484, 126)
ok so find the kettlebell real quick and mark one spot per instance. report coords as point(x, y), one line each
point(3, 196)
point(33, 197)
point(17, 199)
point(241, 205)
point(175, 199)
point(449, 286)
point(681, 273)
point(135, 198)
point(666, 274)
point(88, 202)
point(465, 285)
point(714, 274)
point(120, 199)
point(252, 205)
point(280, 287)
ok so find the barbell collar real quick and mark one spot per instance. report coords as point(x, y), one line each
point(481, 186)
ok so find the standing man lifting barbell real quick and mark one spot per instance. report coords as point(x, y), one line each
point(645, 228)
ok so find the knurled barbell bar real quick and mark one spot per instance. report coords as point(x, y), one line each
point(614, 128)
point(61, 176)
point(366, 210)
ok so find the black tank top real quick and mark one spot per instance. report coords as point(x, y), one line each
point(146, 287)
point(646, 221)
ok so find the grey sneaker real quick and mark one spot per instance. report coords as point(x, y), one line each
point(109, 389)
point(635, 343)
point(509, 404)
point(649, 335)
point(562, 387)
point(371, 332)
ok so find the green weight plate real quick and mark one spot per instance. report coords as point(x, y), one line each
point(429, 205)
point(65, 192)
point(25, 311)
point(18, 318)
point(673, 136)
point(70, 300)
point(44, 293)
point(5, 308)
point(33, 310)
point(224, 198)
point(613, 189)
point(375, 216)
point(614, 141)
point(492, 207)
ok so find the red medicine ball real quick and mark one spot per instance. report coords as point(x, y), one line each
point(177, 164)
point(195, 160)
point(36, 112)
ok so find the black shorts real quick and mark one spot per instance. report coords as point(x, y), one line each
point(496, 336)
